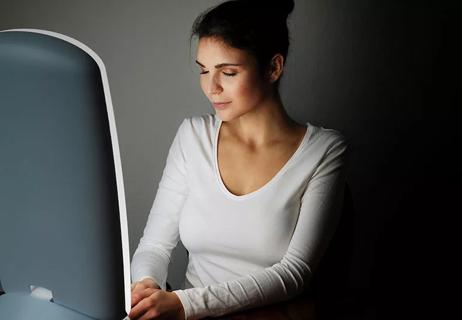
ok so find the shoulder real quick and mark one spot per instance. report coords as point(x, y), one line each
point(198, 129)
point(327, 137)
point(198, 123)
point(326, 142)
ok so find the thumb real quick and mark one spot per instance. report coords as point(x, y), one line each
point(134, 285)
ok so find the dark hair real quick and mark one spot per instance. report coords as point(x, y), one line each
point(257, 27)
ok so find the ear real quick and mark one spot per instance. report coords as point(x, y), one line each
point(276, 67)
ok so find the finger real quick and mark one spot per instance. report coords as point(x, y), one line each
point(137, 311)
point(142, 291)
point(139, 286)
point(139, 295)
point(140, 308)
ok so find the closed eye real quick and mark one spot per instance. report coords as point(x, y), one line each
point(225, 73)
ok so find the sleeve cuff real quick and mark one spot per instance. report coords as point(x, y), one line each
point(185, 302)
point(150, 277)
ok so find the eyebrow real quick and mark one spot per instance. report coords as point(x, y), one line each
point(221, 65)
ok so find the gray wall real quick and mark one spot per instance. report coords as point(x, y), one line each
point(369, 69)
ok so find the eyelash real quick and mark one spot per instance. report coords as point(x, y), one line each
point(225, 73)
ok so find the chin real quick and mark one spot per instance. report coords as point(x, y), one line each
point(230, 115)
point(225, 116)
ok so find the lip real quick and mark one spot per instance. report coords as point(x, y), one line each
point(220, 105)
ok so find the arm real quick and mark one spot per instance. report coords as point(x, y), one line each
point(318, 219)
point(160, 236)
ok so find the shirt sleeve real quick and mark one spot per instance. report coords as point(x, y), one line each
point(318, 219)
point(161, 235)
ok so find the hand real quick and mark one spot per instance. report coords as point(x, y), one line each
point(138, 288)
point(157, 304)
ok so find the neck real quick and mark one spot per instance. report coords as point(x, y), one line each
point(267, 123)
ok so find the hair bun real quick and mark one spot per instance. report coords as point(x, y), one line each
point(283, 6)
point(279, 7)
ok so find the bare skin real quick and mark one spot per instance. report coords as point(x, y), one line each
point(245, 168)
point(150, 302)
point(257, 136)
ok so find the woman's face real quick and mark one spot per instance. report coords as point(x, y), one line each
point(230, 79)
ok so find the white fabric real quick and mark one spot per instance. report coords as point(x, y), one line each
point(244, 251)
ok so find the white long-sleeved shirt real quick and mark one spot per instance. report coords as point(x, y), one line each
point(244, 251)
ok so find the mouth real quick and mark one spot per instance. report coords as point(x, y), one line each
point(220, 105)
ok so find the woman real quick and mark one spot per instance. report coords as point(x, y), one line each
point(253, 195)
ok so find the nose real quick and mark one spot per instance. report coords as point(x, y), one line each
point(214, 86)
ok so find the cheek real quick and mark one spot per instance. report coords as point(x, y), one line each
point(242, 90)
point(248, 91)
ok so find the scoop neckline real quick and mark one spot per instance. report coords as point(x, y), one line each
point(224, 189)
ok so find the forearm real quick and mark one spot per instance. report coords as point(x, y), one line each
point(150, 264)
point(274, 284)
